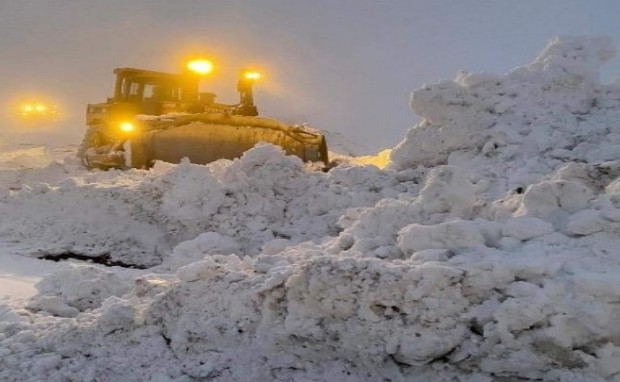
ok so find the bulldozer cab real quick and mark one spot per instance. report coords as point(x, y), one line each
point(139, 85)
point(154, 93)
point(139, 91)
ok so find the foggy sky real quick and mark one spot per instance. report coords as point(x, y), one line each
point(345, 66)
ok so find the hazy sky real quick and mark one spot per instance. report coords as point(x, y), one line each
point(345, 66)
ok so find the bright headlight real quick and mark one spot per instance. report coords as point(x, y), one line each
point(201, 67)
point(127, 127)
point(250, 75)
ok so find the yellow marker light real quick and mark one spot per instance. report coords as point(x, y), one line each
point(201, 67)
point(127, 127)
point(27, 108)
point(251, 75)
point(40, 107)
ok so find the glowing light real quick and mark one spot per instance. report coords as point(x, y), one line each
point(127, 127)
point(252, 75)
point(201, 67)
point(36, 111)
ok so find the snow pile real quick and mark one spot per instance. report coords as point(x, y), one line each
point(513, 130)
point(68, 292)
point(25, 165)
point(137, 217)
point(25, 158)
point(487, 251)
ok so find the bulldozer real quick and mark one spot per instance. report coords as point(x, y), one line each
point(163, 116)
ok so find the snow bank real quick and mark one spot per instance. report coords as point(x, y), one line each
point(68, 292)
point(513, 130)
point(486, 251)
point(25, 158)
point(137, 217)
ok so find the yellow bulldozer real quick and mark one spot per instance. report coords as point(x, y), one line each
point(163, 116)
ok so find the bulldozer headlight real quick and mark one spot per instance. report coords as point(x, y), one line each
point(201, 67)
point(127, 127)
point(251, 75)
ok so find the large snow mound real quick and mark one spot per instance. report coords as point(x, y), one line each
point(513, 130)
point(487, 250)
point(137, 217)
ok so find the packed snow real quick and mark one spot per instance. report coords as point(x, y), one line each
point(487, 249)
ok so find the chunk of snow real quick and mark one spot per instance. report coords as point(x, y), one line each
point(525, 228)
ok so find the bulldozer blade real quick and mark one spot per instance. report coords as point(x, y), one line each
point(207, 138)
point(113, 159)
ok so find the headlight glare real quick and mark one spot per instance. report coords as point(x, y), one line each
point(251, 75)
point(201, 67)
point(127, 127)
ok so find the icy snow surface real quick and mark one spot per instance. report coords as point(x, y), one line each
point(486, 250)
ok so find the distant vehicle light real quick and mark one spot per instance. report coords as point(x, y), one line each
point(38, 111)
point(201, 67)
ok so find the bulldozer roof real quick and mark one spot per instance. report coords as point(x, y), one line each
point(147, 76)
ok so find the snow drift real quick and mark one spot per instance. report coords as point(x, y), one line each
point(487, 249)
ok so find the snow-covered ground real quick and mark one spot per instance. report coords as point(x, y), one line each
point(487, 249)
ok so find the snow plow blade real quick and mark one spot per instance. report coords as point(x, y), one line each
point(204, 138)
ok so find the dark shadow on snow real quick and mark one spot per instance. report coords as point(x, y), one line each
point(101, 259)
